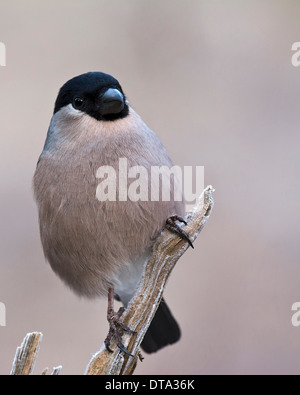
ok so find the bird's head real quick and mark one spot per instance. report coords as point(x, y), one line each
point(97, 94)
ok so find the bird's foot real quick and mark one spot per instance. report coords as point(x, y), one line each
point(116, 325)
point(174, 227)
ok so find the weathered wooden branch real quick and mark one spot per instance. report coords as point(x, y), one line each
point(167, 250)
point(25, 357)
point(26, 354)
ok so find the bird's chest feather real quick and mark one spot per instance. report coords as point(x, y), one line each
point(69, 204)
point(67, 179)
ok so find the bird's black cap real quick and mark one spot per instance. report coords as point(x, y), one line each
point(98, 94)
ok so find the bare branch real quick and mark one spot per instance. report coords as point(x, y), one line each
point(166, 252)
point(25, 356)
point(56, 370)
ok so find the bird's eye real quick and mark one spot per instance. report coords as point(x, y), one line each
point(77, 102)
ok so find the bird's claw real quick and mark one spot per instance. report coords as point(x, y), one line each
point(174, 227)
point(116, 326)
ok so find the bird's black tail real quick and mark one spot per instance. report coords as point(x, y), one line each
point(162, 331)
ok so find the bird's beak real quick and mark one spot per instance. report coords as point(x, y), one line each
point(112, 102)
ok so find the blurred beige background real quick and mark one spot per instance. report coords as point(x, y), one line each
point(214, 79)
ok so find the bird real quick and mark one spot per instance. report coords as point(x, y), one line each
point(98, 247)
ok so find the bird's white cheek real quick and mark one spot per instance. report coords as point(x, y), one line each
point(69, 110)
